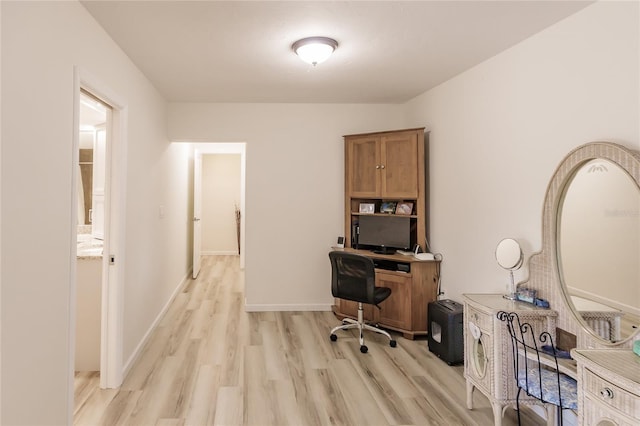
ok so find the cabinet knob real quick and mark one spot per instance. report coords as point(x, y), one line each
point(606, 393)
point(382, 167)
point(377, 166)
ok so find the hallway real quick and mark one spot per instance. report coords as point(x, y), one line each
point(209, 362)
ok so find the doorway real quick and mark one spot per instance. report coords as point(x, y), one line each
point(95, 132)
point(238, 208)
point(105, 214)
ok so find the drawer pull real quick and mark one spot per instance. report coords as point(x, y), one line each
point(606, 393)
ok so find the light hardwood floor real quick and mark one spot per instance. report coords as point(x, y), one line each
point(209, 362)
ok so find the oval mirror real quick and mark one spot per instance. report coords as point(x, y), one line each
point(598, 249)
point(509, 254)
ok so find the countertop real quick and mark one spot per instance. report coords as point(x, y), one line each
point(89, 248)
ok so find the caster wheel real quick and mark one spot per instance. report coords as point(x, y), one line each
point(333, 337)
point(364, 349)
point(393, 343)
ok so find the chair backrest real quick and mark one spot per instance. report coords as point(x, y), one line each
point(531, 355)
point(353, 277)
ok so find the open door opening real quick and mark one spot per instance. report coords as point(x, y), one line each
point(93, 167)
point(197, 213)
point(100, 220)
point(237, 222)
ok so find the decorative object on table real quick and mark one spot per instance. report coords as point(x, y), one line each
point(404, 208)
point(367, 208)
point(509, 256)
point(543, 303)
point(388, 207)
point(526, 295)
point(530, 295)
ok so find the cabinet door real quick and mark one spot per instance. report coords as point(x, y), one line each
point(399, 159)
point(364, 167)
point(478, 353)
point(396, 310)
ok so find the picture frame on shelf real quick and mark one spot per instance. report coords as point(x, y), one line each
point(388, 207)
point(367, 208)
point(404, 208)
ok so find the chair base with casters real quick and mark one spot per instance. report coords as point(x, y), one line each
point(349, 323)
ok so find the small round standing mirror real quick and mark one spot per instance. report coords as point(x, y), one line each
point(509, 256)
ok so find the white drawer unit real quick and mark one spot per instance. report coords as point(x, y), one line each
point(488, 366)
point(609, 387)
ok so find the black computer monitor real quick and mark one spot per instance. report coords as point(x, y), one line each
point(384, 233)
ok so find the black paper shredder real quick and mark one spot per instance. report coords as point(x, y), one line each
point(445, 338)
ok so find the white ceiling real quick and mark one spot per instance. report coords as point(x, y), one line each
point(389, 51)
point(92, 111)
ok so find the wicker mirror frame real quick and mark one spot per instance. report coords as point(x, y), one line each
point(544, 270)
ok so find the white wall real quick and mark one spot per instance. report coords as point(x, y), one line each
point(294, 187)
point(499, 130)
point(41, 44)
point(220, 196)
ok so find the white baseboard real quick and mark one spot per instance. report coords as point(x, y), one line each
point(275, 308)
point(138, 350)
point(219, 253)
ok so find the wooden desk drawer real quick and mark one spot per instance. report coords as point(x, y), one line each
point(602, 390)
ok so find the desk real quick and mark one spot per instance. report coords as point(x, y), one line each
point(405, 310)
point(488, 363)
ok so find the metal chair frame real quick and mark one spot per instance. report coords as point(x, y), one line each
point(531, 364)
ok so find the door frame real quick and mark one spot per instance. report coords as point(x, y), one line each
point(112, 300)
point(197, 214)
point(206, 148)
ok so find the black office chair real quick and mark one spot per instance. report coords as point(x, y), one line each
point(353, 277)
point(535, 367)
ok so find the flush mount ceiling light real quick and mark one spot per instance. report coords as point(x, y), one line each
point(314, 50)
